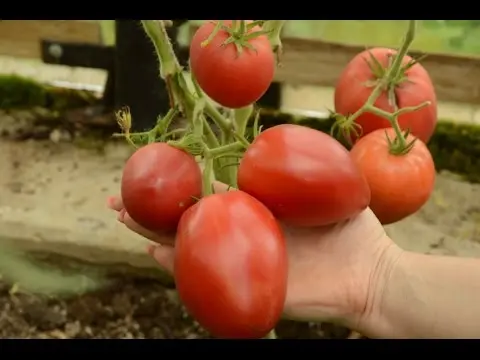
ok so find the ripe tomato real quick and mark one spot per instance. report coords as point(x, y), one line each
point(159, 183)
point(355, 86)
point(400, 184)
point(305, 177)
point(231, 265)
point(231, 79)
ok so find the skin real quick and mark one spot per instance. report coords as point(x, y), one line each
point(355, 86)
point(353, 274)
point(316, 289)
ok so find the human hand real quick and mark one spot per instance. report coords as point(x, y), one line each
point(333, 271)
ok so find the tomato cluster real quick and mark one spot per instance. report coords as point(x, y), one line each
point(231, 260)
point(400, 181)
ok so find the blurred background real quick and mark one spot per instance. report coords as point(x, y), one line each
point(60, 82)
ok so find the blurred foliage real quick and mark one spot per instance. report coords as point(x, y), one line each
point(26, 275)
point(438, 36)
point(20, 92)
point(107, 29)
point(17, 92)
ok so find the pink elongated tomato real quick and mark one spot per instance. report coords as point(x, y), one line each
point(304, 176)
point(231, 265)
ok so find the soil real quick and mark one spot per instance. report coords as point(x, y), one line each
point(134, 308)
point(40, 179)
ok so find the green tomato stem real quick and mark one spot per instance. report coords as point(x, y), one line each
point(163, 124)
point(157, 33)
point(208, 176)
point(274, 27)
point(385, 83)
point(226, 149)
point(242, 116)
point(224, 124)
point(396, 66)
point(210, 137)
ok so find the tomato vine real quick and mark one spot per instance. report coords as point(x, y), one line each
point(218, 138)
point(190, 101)
point(388, 79)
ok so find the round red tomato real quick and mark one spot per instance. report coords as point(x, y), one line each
point(230, 78)
point(400, 184)
point(355, 86)
point(305, 177)
point(231, 265)
point(159, 183)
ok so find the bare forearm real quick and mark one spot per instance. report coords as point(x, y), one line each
point(428, 296)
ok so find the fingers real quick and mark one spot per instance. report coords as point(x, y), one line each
point(163, 255)
point(150, 235)
point(121, 215)
point(115, 203)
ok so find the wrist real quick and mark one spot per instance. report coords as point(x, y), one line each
point(387, 266)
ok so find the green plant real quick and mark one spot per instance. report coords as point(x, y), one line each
point(220, 139)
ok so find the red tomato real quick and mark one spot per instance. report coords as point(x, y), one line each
point(305, 177)
point(231, 265)
point(400, 184)
point(159, 183)
point(355, 86)
point(231, 79)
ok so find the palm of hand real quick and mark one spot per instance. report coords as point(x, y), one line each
point(330, 268)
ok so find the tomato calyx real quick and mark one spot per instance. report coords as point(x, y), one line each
point(399, 145)
point(239, 33)
point(190, 143)
point(387, 81)
point(345, 126)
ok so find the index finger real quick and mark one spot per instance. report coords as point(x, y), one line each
point(115, 203)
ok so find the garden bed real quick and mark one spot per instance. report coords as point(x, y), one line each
point(47, 151)
point(132, 308)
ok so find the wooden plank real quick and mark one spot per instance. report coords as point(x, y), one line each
point(86, 55)
point(319, 63)
point(312, 62)
point(21, 38)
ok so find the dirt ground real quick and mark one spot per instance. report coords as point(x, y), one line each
point(133, 309)
point(37, 180)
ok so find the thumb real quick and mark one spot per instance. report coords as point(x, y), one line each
point(163, 255)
